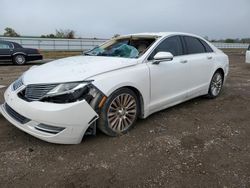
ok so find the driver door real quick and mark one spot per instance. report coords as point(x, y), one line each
point(5, 51)
point(168, 78)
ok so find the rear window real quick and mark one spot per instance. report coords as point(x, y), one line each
point(194, 45)
point(16, 45)
point(207, 47)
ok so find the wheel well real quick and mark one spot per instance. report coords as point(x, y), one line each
point(19, 53)
point(221, 71)
point(140, 98)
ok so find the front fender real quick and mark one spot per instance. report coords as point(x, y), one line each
point(137, 77)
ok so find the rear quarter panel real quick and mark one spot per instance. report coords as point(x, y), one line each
point(31, 51)
point(19, 51)
point(222, 61)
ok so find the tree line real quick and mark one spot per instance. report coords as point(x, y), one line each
point(60, 33)
point(237, 40)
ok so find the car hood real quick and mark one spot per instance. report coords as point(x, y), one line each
point(76, 68)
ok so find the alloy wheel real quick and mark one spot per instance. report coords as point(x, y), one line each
point(20, 59)
point(216, 84)
point(122, 112)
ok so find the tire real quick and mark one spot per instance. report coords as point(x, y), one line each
point(216, 85)
point(19, 59)
point(119, 113)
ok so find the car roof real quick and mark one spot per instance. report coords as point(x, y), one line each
point(167, 34)
point(10, 42)
point(161, 34)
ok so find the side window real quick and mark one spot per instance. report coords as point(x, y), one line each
point(249, 47)
point(171, 44)
point(194, 46)
point(4, 46)
point(207, 47)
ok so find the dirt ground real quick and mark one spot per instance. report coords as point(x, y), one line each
point(201, 143)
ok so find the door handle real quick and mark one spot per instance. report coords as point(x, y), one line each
point(184, 61)
point(209, 57)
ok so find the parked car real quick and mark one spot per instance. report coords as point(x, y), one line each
point(114, 84)
point(248, 55)
point(12, 51)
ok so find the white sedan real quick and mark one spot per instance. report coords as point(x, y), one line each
point(112, 85)
point(248, 55)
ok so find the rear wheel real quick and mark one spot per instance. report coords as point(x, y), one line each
point(119, 112)
point(19, 59)
point(215, 85)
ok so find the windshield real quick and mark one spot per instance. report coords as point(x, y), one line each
point(130, 47)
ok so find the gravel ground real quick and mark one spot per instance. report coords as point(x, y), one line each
point(200, 143)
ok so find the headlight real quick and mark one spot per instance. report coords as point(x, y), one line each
point(66, 88)
point(17, 84)
point(71, 92)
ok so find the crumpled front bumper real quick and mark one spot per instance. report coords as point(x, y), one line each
point(72, 119)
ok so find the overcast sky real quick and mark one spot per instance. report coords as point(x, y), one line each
point(104, 18)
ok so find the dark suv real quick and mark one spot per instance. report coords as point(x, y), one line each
point(12, 51)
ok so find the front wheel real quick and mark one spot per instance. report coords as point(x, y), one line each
point(19, 59)
point(215, 85)
point(119, 112)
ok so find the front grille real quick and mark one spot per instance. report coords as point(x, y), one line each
point(18, 117)
point(36, 92)
point(18, 83)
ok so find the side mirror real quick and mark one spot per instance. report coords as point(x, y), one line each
point(162, 56)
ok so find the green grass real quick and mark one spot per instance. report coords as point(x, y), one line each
point(234, 51)
point(59, 54)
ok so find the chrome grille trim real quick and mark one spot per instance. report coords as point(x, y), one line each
point(18, 117)
point(37, 92)
point(17, 84)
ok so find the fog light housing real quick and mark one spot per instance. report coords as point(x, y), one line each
point(49, 129)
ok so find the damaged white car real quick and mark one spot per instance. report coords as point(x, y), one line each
point(112, 85)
